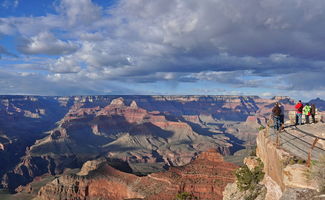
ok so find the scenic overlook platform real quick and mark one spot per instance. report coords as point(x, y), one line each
point(306, 142)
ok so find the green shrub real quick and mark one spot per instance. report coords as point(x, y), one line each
point(185, 196)
point(295, 160)
point(248, 179)
point(261, 128)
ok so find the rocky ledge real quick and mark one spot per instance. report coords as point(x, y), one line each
point(284, 174)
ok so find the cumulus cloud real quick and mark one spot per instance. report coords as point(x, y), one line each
point(252, 44)
point(79, 12)
point(46, 43)
point(65, 65)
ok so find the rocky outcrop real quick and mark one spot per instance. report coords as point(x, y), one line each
point(277, 167)
point(204, 178)
point(284, 178)
point(231, 192)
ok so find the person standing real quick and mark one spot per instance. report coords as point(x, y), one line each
point(313, 112)
point(299, 106)
point(282, 114)
point(306, 112)
point(276, 112)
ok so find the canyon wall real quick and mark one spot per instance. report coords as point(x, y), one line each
point(203, 178)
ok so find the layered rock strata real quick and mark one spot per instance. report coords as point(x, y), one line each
point(204, 178)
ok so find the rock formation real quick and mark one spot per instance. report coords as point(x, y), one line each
point(128, 133)
point(286, 174)
point(204, 178)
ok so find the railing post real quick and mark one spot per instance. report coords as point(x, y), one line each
point(311, 149)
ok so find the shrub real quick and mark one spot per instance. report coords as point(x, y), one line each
point(248, 179)
point(185, 196)
point(261, 128)
point(295, 160)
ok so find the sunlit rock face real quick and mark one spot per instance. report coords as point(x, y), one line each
point(204, 178)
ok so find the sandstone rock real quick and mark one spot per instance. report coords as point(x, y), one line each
point(296, 176)
point(134, 104)
point(251, 162)
point(231, 192)
point(205, 178)
point(274, 191)
point(281, 177)
point(272, 157)
point(118, 102)
point(90, 166)
point(301, 194)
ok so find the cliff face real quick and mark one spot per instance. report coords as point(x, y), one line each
point(277, 167)
point(286, 174)
point(204, 178)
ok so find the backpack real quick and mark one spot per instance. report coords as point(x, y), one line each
point(276, 111)
point(300, 108)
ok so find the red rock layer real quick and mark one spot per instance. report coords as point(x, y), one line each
point(205, 178)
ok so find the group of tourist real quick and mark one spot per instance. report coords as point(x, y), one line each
point(307, 110)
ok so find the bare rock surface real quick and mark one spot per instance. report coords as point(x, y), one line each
point(205, 178)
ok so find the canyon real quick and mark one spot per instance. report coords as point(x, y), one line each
point(134, 136)
point(204, 178)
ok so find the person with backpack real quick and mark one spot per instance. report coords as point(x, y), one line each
point(276, 113)
point(313, 112)
point(306, 112)
point(299, 106)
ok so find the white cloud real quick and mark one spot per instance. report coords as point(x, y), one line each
point(46, 43)
point(79, 12)
point(66, 64)
point(248, 43)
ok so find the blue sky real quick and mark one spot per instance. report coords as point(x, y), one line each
point(79, 47)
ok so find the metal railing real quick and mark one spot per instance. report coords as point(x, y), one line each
point(277, 134)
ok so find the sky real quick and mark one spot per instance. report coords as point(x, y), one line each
point(163, 47)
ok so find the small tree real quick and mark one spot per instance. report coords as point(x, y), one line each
point(247, 179)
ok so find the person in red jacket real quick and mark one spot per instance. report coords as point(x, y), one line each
point(299, 106)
